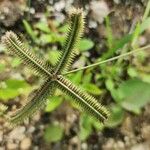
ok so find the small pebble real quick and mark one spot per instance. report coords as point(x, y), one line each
point(1, 136)
point(146, 132)
point(109, 144)
point(25, 144)
point(11, 146)
point(142, 146)
point(84, 146)
point(100, 10)
point(17, 133)
point(142, 40)
point(36, 117)
point(31, 129)
point(117, 1)
point(59, 6)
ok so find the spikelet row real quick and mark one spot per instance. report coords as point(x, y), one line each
point(16, 47)
point(37, 102)
point(86, 101)
point(75, 31)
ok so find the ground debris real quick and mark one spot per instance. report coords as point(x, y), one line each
point(11, 11)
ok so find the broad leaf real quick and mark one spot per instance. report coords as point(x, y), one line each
point(12, 88)
point(145, 25)
point(85, 127)
point(53, 103)
point(53, 56)
point(133, 95)
point(92, 89)
point(29, 30)
point(43, 27)
point(85, 44)
point(2, 67)
point(116, 117)
point(119, 44)
point(53, 133)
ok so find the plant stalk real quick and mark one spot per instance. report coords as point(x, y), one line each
point(108, 60)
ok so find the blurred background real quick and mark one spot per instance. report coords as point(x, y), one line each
point(113, 27)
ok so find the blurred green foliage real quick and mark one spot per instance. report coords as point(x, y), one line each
point(53, 133)
point(12, 88)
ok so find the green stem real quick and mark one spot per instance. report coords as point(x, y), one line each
point(108, 60)
point(147, 11)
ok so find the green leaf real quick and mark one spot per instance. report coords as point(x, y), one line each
point(136, 34)
point(43, 27)
point(140, 28)
point(51, 38)
point(15, 62)
point(58, 38)
point(6, 94)
point(2, 67)
point(53, 103)
point(77, 77)
point(87, 78)
point(127, 38)
point(53, 133)
point(119, 44)
point(12, 88)
point(85, 127)
point(132, 72)
point(109, 84)
point(145, 25)
point(16, 84)
point(110, 40)
point(92, 88)
point(147, 10)
point(116, 117)
point(29, 30)
point(97, 125)
point(133, 95)
point(63, 28)
point(85, 44)
point(46, 38)
point(53, 56)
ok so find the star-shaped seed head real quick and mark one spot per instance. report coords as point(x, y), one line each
point(53, 76)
